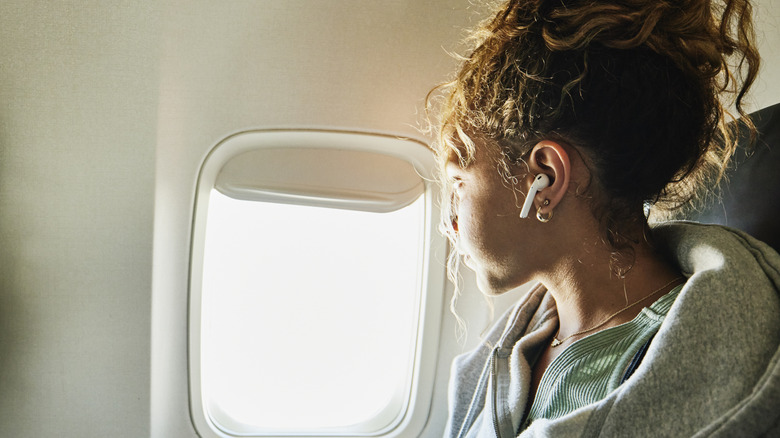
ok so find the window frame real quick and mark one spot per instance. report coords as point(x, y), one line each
point(432, 278)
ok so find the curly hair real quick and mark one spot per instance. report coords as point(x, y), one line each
point(641, 87)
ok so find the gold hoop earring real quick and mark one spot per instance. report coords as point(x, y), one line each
point(540, 217)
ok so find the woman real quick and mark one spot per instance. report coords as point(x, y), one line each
point(589, 114)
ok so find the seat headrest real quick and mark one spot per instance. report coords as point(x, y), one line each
point(750, 194)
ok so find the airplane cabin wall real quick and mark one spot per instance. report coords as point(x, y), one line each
point(78, 132)
point(108, 109)
point(766, 90)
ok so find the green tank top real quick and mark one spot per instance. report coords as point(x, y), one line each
point(593, 366)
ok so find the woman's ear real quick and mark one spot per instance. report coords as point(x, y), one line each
point(552, 159)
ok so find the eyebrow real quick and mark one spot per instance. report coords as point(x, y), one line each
point(452, 170)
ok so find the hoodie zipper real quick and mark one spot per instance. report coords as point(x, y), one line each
point(502, 418)
point(493, 374)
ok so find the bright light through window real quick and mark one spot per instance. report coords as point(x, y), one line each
point(309, 315)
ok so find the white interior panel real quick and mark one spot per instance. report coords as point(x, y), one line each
point(323, 169)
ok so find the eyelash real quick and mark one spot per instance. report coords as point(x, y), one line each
point(453, 207)
point(453, 211)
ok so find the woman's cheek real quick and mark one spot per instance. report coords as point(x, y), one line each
point(466, 226)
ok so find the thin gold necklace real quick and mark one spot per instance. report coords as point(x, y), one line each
point(557, 342)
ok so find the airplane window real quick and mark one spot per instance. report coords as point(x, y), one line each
point(310, 292)
point(308, 314)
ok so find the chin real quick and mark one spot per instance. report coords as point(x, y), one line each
point(490, 283)
point(491, 287)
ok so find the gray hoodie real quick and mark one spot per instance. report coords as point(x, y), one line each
point(713, 368)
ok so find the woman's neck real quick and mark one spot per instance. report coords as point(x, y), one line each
point(590, 296)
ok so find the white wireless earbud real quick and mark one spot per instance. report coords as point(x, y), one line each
point(540, 182)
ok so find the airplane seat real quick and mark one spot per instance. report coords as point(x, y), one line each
point(750, 195)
